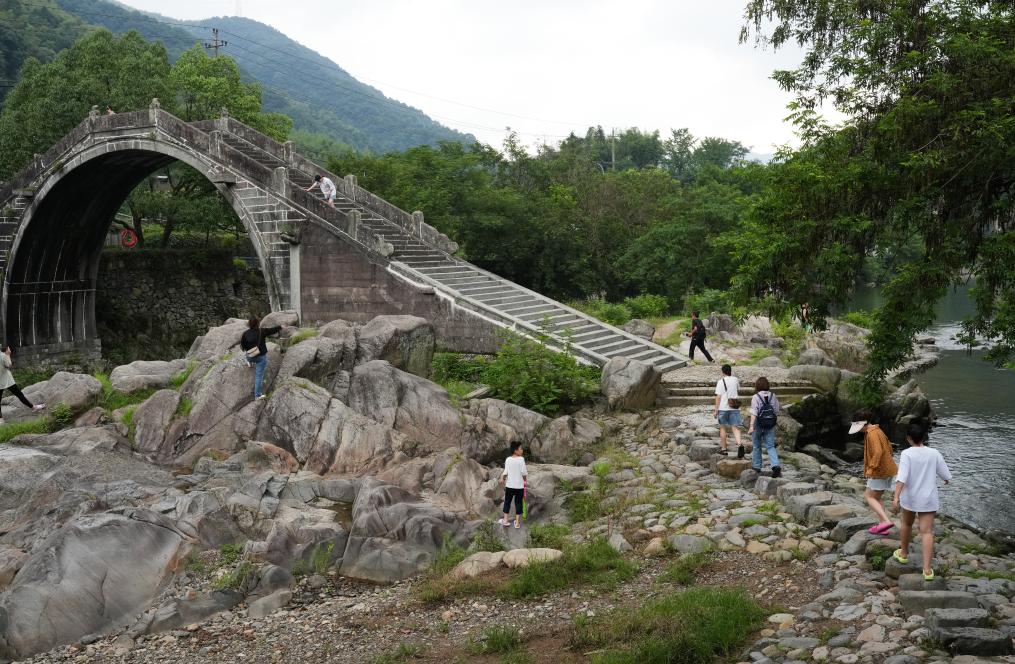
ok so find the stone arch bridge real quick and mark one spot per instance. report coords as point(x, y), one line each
point(363, 258)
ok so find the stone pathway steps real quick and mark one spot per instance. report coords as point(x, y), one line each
point(697, 392)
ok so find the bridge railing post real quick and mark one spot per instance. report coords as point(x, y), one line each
point(280, 181)
point(222, 121)
point(215, 143)
point(354, 219)
point(350, 186)
point(153, 111)
point(417, 224)
point(288, 152)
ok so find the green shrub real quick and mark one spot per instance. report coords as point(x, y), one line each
point(684, 570)
point(486, 538)
point(62, 415)
point(498, 640)
point(527, 373)
point(403, 653)
point(230, 553)
point(236, 578)
point(548, 535)
point(757, 355)
point(690, 627)
point(302, 335)
point(185, 406)
point(26, 377)
point(14, 429)
point(449, 367)
point(321, 559)
point(594, 562)
point(448, 556)
point(860, 317)
point(647, 306)
point(707, 301)
point(608, 312)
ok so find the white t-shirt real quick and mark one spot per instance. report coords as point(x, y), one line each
point(919, 468)
point(514, 469)
point(327, 187)
point(727, 392)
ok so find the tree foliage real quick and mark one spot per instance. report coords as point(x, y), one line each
point(924, 160)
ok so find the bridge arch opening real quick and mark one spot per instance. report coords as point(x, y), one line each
point(49, 292)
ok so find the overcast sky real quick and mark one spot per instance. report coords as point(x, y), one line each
point(542, 67)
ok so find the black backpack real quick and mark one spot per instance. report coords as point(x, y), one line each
point(767, 416)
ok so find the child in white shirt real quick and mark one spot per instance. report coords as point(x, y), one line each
point(513, 479)
point(916, 491)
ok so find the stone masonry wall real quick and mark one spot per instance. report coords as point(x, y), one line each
point(151, 304)
point(336, 281)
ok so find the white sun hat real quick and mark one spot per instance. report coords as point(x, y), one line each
point(856, 426)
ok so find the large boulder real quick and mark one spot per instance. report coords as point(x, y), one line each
point(217, 341)
point(283, 318)
point(815, 356)
point(319, 359)
point(406, 342)
point(394, 534)
point(460, 483)
point(495, 424)
point(906, 404)
point(94, 575)
point(152, 421)
point(415, 406)
point(348, 443)
point(630, 384)
point(145, 374)
point(639, 328)
point(293, 416)
point(824, 378)
point(565, 440)
point(78, 391)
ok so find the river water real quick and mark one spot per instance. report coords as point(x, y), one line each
point(975, 407)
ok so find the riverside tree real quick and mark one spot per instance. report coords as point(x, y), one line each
point(923, 159)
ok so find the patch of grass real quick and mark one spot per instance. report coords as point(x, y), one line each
point(757, 355)
point(689, 627)
point(498, 640)
point(771, 507)
point(988, 574)
point(403, 653)
point(236, 578)
point(26, 377)
point(859, 317)
point(456, 367)
point(230, 553)
point(684, 570)
point(980, 549)
point(793, 335)
point(486, 538)
point(321, 559)
point(302, 335)
point(695, 506)
point(177, 381)
point(829, 634)
point(548, 535)
point(15, 429)
point(185, 406)
point(457, 389)
point(877, 556)
point(113, 399)
point(592, 563)
point(753, 522)
point(195, 565)
point(61, 415)
point(803, 556)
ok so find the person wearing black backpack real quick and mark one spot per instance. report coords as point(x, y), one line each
point(697, 335)
point(764, 413)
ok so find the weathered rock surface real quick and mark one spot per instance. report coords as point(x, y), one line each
point(639, 328)
point(145, 374)
point(406, 342)
point(629, 384)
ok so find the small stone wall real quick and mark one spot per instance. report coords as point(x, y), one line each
point(151, 304)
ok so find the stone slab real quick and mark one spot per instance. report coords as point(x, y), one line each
point(848, 527)
point(952, 618)
point(768, 486)
point(974, 641)
point(919, 601)
point(787, 491)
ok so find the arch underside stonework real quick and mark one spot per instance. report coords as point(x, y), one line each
point(52, 257)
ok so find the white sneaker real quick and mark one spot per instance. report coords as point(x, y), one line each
point(263, 396)
point(518, 524)
point(38, 406)
point(502, 522)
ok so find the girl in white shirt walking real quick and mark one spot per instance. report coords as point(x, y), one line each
point(916, 491)
point(513, 479)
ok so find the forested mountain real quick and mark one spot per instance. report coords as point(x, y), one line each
point(320, 96)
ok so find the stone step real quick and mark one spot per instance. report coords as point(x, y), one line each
point(917, 602)
point(547, 313)
point(700, 400)
point(499, 301)
point(978, 641)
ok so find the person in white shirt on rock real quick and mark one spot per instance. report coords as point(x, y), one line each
point(728, 388)
point(328, 188)
point(513, 479)
point(916, 492)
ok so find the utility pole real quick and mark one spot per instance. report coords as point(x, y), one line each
point(215, 42)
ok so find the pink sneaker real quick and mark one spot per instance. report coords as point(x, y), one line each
point(38, 406)
point(880, 528)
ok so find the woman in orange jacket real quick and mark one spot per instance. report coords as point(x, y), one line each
point(878, 466)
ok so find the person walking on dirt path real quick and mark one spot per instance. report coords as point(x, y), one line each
point(727, 409)
point(8, 383)
point(764, 412)
point(697, 335)
point(256, 350)
point(878, 466)
point(916, 492)
point(328, 188)
point(513, 479)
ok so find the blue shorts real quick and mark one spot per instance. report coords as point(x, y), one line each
point(730, 417)
point(880, 483)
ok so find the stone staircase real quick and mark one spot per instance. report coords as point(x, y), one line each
point(696, 393)
point(424, 262)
